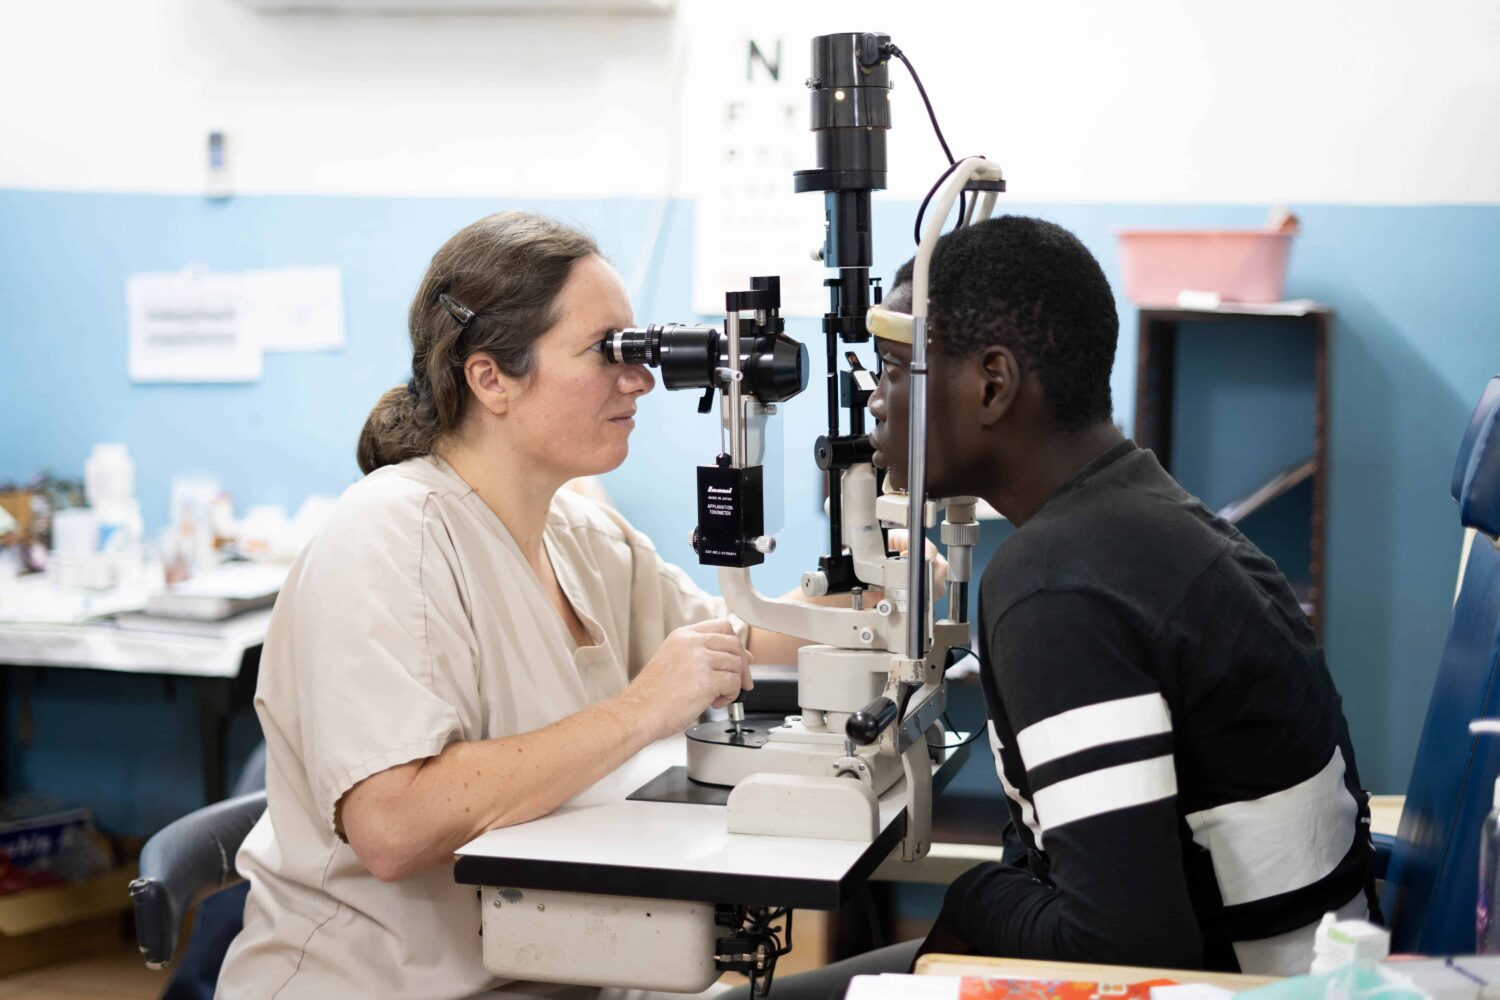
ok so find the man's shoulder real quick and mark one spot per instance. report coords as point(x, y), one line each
point(1129, 534)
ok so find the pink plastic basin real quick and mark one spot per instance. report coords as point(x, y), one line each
point(1241, 265)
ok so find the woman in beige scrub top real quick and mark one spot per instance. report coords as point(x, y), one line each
point(463, 647)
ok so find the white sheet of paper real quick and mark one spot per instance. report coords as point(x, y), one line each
point(187, 326)
point(895, 986)
point(295, 308)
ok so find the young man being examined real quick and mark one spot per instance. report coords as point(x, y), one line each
point(1170, 742)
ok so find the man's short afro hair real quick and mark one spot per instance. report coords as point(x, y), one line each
point(1031, 286)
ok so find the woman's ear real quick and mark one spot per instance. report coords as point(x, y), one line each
point(1001, 377)
point(490, 386)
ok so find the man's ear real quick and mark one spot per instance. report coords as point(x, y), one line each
point(490, 386)
point(1000, 376)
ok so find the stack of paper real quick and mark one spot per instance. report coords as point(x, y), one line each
point(222, 593)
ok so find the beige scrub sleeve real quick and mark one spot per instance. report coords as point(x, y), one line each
point(380, 615)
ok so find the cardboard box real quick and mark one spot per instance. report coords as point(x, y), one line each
point(40, 926)
point(40, 835)
point(17, 503)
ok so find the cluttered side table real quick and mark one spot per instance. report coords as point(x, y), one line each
point(84, 589)
point(126, 656)
point(207, 632)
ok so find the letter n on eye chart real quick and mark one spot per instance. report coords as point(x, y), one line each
point(189, 327)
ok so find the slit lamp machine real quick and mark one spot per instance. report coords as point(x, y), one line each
point(862, 751)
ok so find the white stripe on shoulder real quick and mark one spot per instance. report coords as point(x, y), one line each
point(1280, 842)
point(1093, 726)
point(1106, 790)
point(1028, 813)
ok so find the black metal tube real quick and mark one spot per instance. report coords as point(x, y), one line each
point(835, 497)
point(850, 115)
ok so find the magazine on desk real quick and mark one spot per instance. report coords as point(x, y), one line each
point(229, 590)
point(248, 627)
point(891, 986)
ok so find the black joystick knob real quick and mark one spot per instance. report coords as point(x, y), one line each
point(865, 726)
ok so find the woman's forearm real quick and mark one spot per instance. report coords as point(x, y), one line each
point(414, 816)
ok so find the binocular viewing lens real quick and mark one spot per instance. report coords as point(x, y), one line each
point(774, 366)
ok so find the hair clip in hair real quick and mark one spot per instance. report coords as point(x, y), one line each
point(456, 309)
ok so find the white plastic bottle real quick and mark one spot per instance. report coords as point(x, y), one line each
point(1486, 919)
point(1341, 942)
point(108, 475)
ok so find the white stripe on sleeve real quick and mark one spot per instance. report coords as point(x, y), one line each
point(1093, 726)
point(1028, 814)
point(1280, 842)
point(1106, 790)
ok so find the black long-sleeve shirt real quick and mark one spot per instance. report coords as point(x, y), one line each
point(1173, 750)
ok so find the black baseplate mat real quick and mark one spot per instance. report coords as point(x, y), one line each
point(674, 785)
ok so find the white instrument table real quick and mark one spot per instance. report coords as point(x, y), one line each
point(601, 843)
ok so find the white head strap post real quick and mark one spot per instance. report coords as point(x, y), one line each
point(972, 168)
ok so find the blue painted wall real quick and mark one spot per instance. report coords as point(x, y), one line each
point(1415, 338)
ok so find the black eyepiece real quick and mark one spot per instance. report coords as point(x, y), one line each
point(634, 346)
point(690, 357)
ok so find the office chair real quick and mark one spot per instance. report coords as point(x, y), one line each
point(1433, 863)
point(191, 857)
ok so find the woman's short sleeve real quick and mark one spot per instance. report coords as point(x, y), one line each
point(378, 652)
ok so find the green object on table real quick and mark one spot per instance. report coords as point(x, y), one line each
point(1357, 981)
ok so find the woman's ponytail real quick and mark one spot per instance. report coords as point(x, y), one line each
point(393, 432)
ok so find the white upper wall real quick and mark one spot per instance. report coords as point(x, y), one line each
point(1162, 100)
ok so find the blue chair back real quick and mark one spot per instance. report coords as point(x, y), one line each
point(1432, 880)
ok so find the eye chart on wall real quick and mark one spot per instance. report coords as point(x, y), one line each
point(751, 132)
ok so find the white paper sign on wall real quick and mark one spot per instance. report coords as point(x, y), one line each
point(188, 326)
point(295, 308)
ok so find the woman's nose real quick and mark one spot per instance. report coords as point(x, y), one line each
point(636, 379)
point(877, 401)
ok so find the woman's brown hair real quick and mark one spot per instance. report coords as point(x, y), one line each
point(506, 270)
